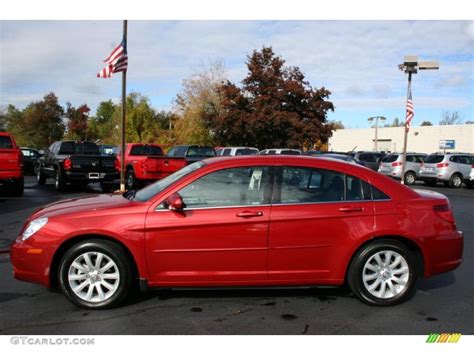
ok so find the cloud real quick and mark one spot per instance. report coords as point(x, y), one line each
point(356, 60)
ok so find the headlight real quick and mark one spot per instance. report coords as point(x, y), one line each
point(34, 226)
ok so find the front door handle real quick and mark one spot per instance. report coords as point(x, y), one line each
point(249, 214)
point(351, 209)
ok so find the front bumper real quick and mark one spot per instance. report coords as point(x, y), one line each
point(31, 260)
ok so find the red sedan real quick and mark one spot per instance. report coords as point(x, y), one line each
point(244, 221)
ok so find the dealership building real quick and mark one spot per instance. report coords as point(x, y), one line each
point(422, 139)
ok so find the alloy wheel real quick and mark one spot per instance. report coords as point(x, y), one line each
point(385, 274)
point(93, 277)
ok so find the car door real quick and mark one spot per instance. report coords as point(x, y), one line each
point(220, 236)
point(316, 214)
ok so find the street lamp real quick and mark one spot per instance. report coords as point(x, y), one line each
point(376, 119)
point(410, 66)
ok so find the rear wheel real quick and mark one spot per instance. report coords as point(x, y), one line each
point(59, 183)
point(130, 181)
point(18, 187)
point(410, 178)
point(95, 274)
point(40, 176)
point(383, 273)
point(455, 181)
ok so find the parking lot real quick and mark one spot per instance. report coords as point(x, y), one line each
point(442, 304)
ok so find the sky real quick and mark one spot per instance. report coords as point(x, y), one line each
point(355, 60)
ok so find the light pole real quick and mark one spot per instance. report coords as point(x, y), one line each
point(410, 66)
point(376, 119)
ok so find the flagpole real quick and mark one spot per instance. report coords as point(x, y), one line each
point(405, 138)
point(124, 110)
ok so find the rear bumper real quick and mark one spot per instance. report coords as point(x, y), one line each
point(437, 175)
point(8, 176)
point(445, 253)
point(84, 176)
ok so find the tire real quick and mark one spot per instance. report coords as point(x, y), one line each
point(59, 183)
point(40, 176)
point(130, 180)
point(95, 294)
point(107, 187)
point(18, 187)
point(455, 181)
point(410, 178)
point(404, 285)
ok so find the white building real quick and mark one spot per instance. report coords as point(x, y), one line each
point(423, 139)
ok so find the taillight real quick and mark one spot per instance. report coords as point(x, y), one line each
point(442, 165)
point(444, 211)
point(67, 164)
point(397, 163)
point(20, 160)
point(117, 164)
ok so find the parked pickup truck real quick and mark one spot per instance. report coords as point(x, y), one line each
point(77, 163)
point(147, 162)
point(11, 165)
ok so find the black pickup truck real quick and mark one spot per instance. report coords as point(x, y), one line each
point(77, 163)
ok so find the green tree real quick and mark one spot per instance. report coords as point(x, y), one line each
point(426, 123)
point(276, 107)
point(102, 126)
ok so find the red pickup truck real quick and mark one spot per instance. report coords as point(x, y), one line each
point(147, 162)
point(11, 165)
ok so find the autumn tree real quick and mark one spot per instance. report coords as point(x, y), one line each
point(77, 122)
point(275, 107)
point(199, 98)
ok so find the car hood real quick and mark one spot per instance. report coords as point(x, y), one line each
point(82, 204)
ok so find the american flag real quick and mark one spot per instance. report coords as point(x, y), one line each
point(117, 61)
point(410, 111)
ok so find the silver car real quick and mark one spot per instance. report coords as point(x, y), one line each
point(450, 168)
point(391, 165)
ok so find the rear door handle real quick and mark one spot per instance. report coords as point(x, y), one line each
point(351, 209)
point(249, 214)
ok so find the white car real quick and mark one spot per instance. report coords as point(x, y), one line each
point(235, 151)
point(278, 151)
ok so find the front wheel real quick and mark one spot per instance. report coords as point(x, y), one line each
point(383, 273)
point(95, 274)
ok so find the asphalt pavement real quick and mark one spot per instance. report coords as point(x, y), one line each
point(443, 303)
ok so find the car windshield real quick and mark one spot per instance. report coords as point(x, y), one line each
point(390, 158)
point(246, 151)
point(151, 190)
point(201, 152)
point(434, 158)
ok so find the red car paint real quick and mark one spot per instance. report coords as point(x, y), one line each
point(301, 244)
point(151, 167)
point(11, 159)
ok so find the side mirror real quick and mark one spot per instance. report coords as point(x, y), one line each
point(175, 202)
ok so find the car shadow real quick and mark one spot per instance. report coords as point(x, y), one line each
point(324, 294)
point(438, 281)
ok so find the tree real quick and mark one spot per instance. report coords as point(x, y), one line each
point(450, 118)
point(199, 98)
point(39, 124)
point(336, 125)
point(426, 123)
point(102, 126)
point(77, 122)
point(276, 107)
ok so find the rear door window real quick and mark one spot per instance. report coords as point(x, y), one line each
point(137, 150)
point(153, 150)
point(434, 159)
point(5, 142)
point(227, 152)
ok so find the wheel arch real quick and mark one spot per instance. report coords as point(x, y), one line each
point(67, 244)
point(410, 244)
